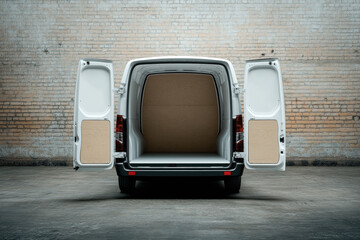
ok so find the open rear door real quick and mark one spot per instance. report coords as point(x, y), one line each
point(264, 115)
point(94, 115)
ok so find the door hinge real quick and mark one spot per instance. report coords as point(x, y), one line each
point(119, 154)
point(239, 155)
point(120, 90)
point(238, 89)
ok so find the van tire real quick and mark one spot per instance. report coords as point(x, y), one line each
point(126, 184)
point(232, 184)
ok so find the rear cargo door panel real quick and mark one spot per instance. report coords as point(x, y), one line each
point(264, 113)
point(94, 115)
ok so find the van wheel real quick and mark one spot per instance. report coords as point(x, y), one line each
point(126, 184)
point(232, 184)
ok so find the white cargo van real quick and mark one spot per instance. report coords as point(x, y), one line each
point(179, 116)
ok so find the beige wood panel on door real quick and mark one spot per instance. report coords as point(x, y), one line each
point(263, 142)
point(180, 113)
point(95, 142)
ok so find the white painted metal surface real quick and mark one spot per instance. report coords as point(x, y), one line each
point(94, 100)
point(179, 158)
point(264, 100)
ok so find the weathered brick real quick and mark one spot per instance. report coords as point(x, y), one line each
point(42, 41)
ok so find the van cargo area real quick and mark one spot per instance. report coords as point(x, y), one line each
point(178, 115)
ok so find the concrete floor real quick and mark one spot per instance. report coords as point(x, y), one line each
point(301, 203)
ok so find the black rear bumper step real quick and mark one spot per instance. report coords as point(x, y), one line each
point(123, 169)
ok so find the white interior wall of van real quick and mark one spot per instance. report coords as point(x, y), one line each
point(136, 142)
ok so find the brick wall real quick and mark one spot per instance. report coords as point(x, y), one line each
point(317, 42)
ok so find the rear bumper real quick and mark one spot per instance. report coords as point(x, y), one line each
point(235, 169)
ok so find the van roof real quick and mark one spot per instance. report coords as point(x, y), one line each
point(180, 59)
point(177, 58)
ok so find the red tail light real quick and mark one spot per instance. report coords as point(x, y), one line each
point(120, 138)
point(238, 134)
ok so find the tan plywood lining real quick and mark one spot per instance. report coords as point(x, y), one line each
point(263, 142)
point(180, 113)
point(95, 142)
